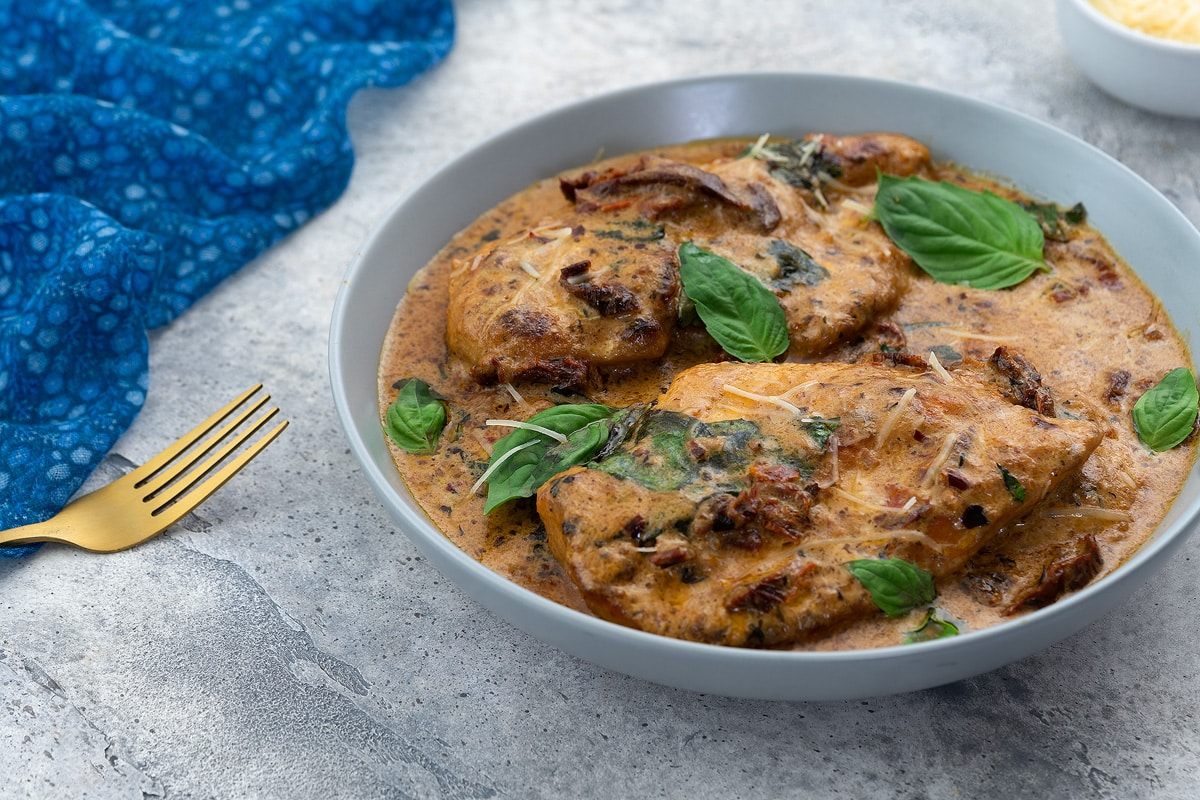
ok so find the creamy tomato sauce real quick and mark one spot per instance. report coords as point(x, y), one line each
point(1097, 335)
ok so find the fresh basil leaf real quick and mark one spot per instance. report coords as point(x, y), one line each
point(536, 457)
point(415, 420)
point(737, 310)
point(1165, 415)
point(1013, 485)
point(896, 586)
point(932, 627)
point(959, 236)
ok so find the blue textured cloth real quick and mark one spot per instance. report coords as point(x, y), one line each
point(148, 149)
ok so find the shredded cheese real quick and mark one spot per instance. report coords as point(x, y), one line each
point(983, 337)
point(512, 390)
point(1178, 20)
point(865, 503)
point(1089, 512)
point(774, 400)
point(482, 441)
point(515, 423)
point(862, 209)
point(886, 429)
point(833, 452)
point(935, 466)
point(756, 149)
point(487, 473)
point(554, 231)
point(938, 368)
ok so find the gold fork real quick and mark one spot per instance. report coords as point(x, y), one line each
point(151, 498)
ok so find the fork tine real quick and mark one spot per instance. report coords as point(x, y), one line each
point(187, 496)
point(182, 477)
point(185, 459)
point(155, 465)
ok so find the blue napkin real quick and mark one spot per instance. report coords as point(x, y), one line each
point(149, 149)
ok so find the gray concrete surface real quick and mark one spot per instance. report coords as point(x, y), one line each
point(289, 641)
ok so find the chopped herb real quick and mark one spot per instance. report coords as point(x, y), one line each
point(416, 419)
point(657, 453)
point(1054, 219)
point(896, 586)
point(800, 163)
point(932, 627)
point(1165, 415)
point(739, 312)
point(796, 267)
point(820, 429)
point(1013, 485)
point(959, 236)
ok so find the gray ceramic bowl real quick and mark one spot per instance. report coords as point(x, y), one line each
point(1159, 242)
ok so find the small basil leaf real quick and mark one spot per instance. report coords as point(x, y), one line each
point(1165, 415)
point(1013, 485)
point(737, 310)
point(415, 420)
point(896, 586)
point(959, 236)
point(537, 457)
point(932, 627)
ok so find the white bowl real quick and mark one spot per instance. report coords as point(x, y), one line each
point(1158, 241)
point(1149, 72)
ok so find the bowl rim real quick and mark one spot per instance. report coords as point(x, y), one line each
point(1115, 28)
point(1026, 634)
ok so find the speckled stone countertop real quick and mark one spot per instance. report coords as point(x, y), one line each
point(289, 642)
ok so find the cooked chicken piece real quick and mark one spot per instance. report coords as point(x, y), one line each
point(730, 513)
point(600, 286)
point(551, 304)
point(857, 158)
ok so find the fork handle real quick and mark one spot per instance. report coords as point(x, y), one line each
point(26, 534)
point(52, 530)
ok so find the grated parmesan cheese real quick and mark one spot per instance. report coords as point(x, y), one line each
point(1089, 512)
point(939, 460)
point(886, 428)
point(983, 337)
point(938, 368)
point(1178, 20)
point(873, 506)
point(516, 423)
point(496, 464)
point(761, 398)
point(512, 391)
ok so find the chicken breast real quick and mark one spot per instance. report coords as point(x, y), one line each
point(599, 286)
point(730, 513)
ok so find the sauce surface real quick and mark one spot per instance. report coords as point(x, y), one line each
point(1097, 335)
